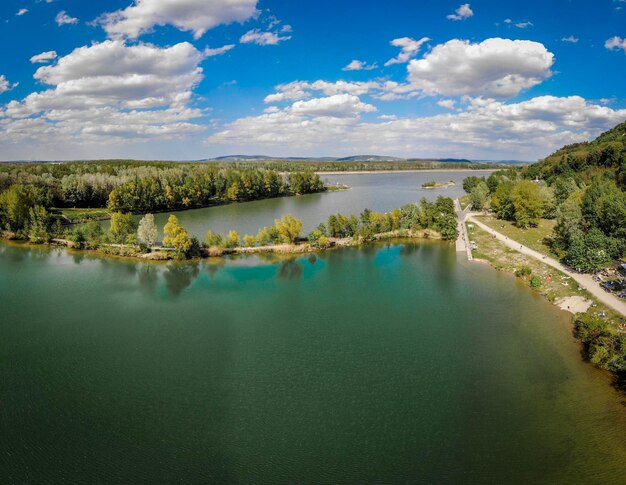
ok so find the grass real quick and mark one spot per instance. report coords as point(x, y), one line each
point(464, 201)
point(533, 237)
point(554, 284)
point(83, 215)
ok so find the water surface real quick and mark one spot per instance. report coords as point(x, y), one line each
point(387, 364)
point(380, 192)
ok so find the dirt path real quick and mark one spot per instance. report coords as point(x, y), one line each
point(584, 280)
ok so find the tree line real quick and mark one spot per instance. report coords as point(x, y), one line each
point(590, 231)
point(126, 236)
point(135, 188)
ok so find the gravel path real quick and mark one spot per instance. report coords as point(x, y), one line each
point(584, 280)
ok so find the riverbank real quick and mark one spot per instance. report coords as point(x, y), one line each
point(597, 326)
point(159, 253)
point(426, 170)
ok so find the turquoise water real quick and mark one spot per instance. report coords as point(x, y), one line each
point(386, 364)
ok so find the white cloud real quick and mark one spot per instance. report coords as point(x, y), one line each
point(571, 39)
point(461, 13)
point(5, 85)
point(21, 11)
point(63, 18)
point(520, 25)
point(498, 68)
point(256, 36)
point(616, 43)
point(208, 52)
point(302, 89)
point(356, 65)
point(410, 48)
point(447, 103)
point(197, 16)
point(337, 106)
point(486, 129)
point(43, 57)
point(110, 90)
point(495, 67)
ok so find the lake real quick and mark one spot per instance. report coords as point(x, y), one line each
point(379, 192)
point(391, 363)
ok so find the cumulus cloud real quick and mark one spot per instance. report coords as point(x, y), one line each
point(499, 68)
point(63, 18)
point(571, 39)
point(208, 52)
point(447, 103)
point(256, 36)
point(110, 90)
point(616, 43)
point(410, 48)
point(487, 128)
point(356, 65)
point(461, 13)
point(197, 16)
point(302, 89)
point(22, 11)
point(43, 57)
point(337, 106)
point(495, 67)
point(5, 85)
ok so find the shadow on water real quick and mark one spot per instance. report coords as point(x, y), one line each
point(290, 269)
point(148, 277)
point(214, 265)
point(179, 276)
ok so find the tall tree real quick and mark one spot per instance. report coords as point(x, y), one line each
point(147, 230)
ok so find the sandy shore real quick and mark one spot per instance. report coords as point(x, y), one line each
point(574, 304)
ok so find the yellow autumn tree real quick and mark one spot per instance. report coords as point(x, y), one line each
point(176, 236)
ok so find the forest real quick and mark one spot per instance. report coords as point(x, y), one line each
point(30, 193)
point(582, 186)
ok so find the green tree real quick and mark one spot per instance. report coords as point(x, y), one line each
point(502, 202)
point(122, 226)
point(233, 239)
point(39, 225)
point(590, 253)
point(249, 241)
point(479, 195)
point(288, 228)
point(214, 239)
point(472, 181)
point(15, 205)
point(569, 223)
point(527, 203)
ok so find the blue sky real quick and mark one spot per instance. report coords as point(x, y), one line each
point(192, 79)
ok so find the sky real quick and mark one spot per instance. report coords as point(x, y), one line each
point(195, 79)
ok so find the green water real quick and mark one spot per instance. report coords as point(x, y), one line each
point(387, 364)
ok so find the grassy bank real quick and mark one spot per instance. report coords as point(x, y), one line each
point(533, 237)
point(598, 329)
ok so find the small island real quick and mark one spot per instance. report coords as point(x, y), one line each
point(438, 185)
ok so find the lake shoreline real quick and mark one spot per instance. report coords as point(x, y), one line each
point(130, 252)
point(426, 170)
point(553, 285)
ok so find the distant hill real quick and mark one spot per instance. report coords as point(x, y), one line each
point(607, 153)
point(355, 159)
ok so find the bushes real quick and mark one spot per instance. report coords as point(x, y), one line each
point(603, 346)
